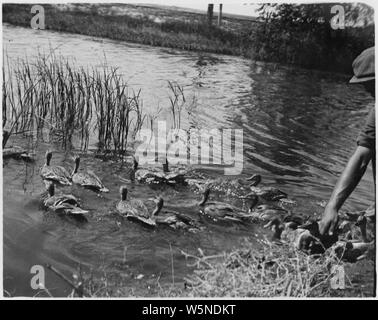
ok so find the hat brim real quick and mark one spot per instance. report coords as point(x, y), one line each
point(359, 80)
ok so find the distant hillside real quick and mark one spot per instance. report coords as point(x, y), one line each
point(196, 11)
point(152, 25)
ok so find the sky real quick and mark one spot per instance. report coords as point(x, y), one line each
point(242, 7)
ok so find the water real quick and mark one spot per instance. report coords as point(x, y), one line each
point(299, 128)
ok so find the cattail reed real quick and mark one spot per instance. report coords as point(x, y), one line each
point(52, 94)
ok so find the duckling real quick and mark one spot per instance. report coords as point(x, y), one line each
point(62, 204)
point(267, 193)
point(87, 179)
point(156, 175)
point(174, 219)
point(136, 210)
point(55, 173)
point(325, 240)
point(283, 229)
point(220, 210)
point(290, 232)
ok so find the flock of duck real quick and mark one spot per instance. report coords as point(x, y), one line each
point(352, 240)
point(135, 209)
point(303, 232)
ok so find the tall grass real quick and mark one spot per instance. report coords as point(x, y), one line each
point(177, 103)
point(119, 113)
point(52, 94)
point(273, 271)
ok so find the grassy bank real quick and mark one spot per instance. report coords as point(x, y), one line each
point(190, 33)
point(273, 271)
point(284, 38)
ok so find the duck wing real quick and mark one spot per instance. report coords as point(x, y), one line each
point(50, 201)
point(219, 210)
point(135, 210)
point(166, 218)
point(89, 180)
point(149, 175)
point(56, 173)
point(67, 199)
point(97, 181)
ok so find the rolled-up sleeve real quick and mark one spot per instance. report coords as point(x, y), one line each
point(367, 135)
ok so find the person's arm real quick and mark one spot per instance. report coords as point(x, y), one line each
point(348, 181)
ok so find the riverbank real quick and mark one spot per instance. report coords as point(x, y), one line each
point(260, 38)
point(145, 25)
point(247, 272)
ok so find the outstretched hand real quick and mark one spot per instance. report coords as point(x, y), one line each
point(329, 222)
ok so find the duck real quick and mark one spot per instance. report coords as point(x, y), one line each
point(221, 210)
point(353, 251)
point(136, 210)
point(324, 241)
point(266, 193)
point(369, 213)
point(66, 204)
point(266, 212)
point(55, 173)
point(15, 152)
point(230, 187)
point(174, 219)
point(284, 229)
point(156, 175)
point(87, 179)
point(366, 235)
point(289, 231)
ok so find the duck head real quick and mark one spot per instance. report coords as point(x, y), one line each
point(77, 164)
point(205, 197)
point(6, 136)
point(123, 193)
point(254, 199)
point(51, 189)
point(362, 223)
point(254, 180)
point(48, 157)
point(159, 205)
point(165, 166)
point(135, 163)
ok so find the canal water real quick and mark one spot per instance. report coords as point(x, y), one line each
point(299, 129)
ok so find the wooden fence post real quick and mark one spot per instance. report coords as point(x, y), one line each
point(220, 14)
point(210, 12)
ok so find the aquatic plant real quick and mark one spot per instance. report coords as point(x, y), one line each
point(119, 113)
point(177, 102)
point(53, 94)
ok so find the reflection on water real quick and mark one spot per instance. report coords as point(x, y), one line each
point(299, 130)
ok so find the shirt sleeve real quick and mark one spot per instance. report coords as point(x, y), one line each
point(367, 135)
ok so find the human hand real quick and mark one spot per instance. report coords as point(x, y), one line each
point(329, 221)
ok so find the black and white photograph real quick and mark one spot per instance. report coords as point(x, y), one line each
point(188, 149)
